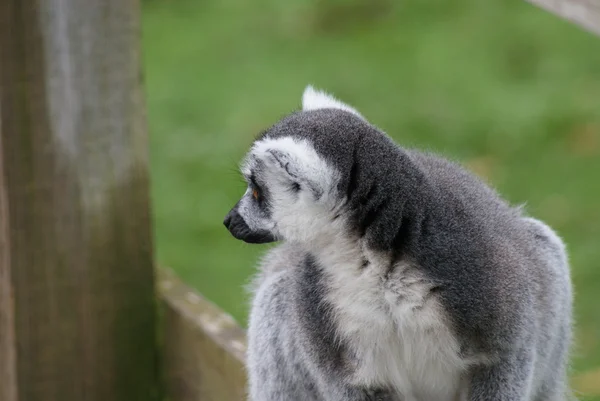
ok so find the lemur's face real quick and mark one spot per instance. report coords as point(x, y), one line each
point(290, 194)
point(293, 192)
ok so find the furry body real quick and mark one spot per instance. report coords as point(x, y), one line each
point(401, 276)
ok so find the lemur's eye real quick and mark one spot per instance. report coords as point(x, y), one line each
point(255, 187)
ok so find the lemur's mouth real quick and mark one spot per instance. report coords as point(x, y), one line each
point(240, 230)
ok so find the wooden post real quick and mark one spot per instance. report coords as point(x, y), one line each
point(77, 309)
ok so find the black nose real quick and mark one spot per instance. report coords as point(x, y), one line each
point(229, 218)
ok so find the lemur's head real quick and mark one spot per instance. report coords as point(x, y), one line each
point(308, 172)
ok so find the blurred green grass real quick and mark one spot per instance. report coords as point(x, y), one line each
point(507, 89)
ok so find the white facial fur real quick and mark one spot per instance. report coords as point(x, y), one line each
point(296, 215)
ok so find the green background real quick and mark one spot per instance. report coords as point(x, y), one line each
point(508, 89)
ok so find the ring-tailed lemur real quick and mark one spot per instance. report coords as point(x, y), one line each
point(401, 276)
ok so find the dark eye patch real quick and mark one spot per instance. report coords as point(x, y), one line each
point(253, 182)
point(262, 198)
point(257, 191)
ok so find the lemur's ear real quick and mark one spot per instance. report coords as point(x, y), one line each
point(313, 99)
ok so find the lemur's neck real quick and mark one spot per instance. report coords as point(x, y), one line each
point(339, 250)
point(348, 256)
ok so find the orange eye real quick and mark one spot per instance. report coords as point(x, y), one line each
point(255, 194)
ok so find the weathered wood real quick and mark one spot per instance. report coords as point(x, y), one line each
point(203, 347)
point(585, 13)
point(8, 387)
point(77, 308)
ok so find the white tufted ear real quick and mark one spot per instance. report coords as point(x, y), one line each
point(313, 99)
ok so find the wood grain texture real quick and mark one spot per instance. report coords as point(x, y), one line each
point(8, 366)
point(204, 348)
point(585, 13)
point(77, 308)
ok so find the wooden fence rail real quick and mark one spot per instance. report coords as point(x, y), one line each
point(585, 13)
point(203, 347)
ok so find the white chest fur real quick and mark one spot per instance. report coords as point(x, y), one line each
point(395, 327)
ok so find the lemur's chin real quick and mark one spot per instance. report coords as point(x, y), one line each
point(240, 230)
point(260, 237)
